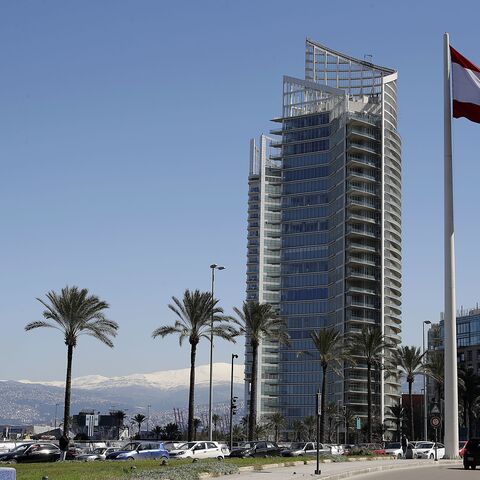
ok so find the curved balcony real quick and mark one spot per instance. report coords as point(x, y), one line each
point(353, 246)
point(353, 146)
point(362, 176)
point(353, 289)
point(362, 218)
point(362, 190)
point(362, 161)
point(365, 203)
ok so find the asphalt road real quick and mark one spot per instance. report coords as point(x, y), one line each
point(442, 472)
point(416, 471)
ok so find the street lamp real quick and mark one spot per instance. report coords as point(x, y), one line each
point(425, 427)
point(232, 403)
point(148, 417)
point(213, 267)
point(56, 406)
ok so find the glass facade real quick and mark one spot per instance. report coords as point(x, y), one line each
point(338, 232)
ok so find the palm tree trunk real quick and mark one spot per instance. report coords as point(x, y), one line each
point(323, 396)
point(191, 393)
point(369, 402)
point(252, 420)
point(410, 397)
point(68, 391)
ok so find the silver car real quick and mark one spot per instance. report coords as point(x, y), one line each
point(99, 453)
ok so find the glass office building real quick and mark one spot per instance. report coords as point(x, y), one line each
point(324, 228)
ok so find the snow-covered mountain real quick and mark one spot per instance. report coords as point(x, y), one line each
point(163, 380)
point(28, 401)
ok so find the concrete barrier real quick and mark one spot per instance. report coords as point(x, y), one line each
point(8, 474)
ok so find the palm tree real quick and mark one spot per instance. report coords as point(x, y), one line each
point(435, 369)
point(349, 419)
point(215, 420)
point(329, 345)
point(276, 421)
point(410, 362)
point(196, 313)
point(172, 432)
point(368, 345)
point(238, 432)
point(120, 416)
point(196, 425)
point(469, 391)
point(298, 430)
point(332, 413)
point(310, 423)
point(158, 431)
point(139, 419)
point(259, 431)
point(256, 321)
point(74, 312)
point(398, 413)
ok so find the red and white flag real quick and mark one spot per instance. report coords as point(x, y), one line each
point(465, 87)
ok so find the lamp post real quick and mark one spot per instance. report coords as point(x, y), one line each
point(425, 426)
point(213, 267)
point(232, 403)
point(148, 418)
point(56, 406)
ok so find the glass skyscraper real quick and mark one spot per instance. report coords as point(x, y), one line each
point(324, 229)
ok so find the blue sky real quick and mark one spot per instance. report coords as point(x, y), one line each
point(124, 131)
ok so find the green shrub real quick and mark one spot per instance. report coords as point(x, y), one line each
point(187, 472)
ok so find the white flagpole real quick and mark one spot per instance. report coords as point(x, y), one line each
point(450, 321)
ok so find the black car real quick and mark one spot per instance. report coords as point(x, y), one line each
point(257, 449)
point(32, 453)
point(471, 456)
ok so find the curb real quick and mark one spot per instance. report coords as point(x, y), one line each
point(383, 468)
point(341, 475)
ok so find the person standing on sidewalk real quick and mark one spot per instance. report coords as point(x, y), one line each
point(404, 445)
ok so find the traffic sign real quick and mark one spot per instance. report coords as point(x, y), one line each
point(435, 410)
point(358, 423)
point(435, 421)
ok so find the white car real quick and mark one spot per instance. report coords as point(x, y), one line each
point(427, 450)
point(98, 453)
point(394, 449)
point(198, 451)
point(336, 449)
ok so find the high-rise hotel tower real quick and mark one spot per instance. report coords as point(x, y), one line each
point(324, 229)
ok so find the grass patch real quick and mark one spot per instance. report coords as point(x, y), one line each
point(150, 469)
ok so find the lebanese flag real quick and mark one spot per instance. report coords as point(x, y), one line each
point(465, 87)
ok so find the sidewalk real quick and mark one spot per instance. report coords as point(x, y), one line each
point(334, 471)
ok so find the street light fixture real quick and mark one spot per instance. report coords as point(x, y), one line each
point(213, 267)
point(425, 425)
point(148, 418)
point(232, 403)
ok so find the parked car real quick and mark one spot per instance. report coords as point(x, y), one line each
point(427, 450)
point(394, 449)
point(257, 449)
point(33, 453)
point(140, 451)
point(461, 447)
point(300, 449)
point(347, 448)
point(335, 449)
point(471, 457)
point(99, 453)
point(199, 451)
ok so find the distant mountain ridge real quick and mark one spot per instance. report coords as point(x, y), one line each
point(29, 401)
point(163, 379)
